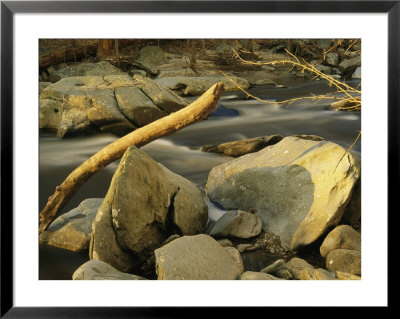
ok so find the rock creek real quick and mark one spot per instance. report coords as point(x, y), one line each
point(181, 152)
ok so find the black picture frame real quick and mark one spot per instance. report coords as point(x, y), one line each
point(9, 8)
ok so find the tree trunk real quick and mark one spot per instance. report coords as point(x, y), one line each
point(66, 54)
point(104, 48)
point(167, 125)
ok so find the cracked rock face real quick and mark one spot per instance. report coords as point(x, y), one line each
point(144, 205)
point(114, 103)
point(299, 188)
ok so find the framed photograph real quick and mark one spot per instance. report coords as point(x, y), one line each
point(162, 155)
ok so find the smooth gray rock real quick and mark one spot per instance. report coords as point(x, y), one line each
point(344, 260)
point(348, 66)
point(99, 270)
point(198, 257)
point(342, 237)
point(332, 59)
point(150, 58)
point(296, 265)
point(298, 187)
point(72, 230)
point(237, 224)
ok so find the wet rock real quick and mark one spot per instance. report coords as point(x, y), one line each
point(198, 85)
point(346, 276)
point(332, 59)
point(348, 66)
point(102, 68)
point(225, 242)
point(316, 274)
point(150, 58)
point(299, 188)
point(242, 147)
point(344, 260)
point(296, 265)
point(254, 275)
point(99, 270)
point(236, 257)
point(273, 267)
point(198, 257)
point(342, 237)
point(357, 73)
point(72, 230)
point(237, 224)
point(114, 103)
point(144, 205)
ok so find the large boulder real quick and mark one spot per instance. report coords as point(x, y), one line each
point(198, 257)
point(198, 85)
point(345, 260)
point(144, 205)
point(102, 68)
point(99, 270)
point(344, 237)
point(299, 187)
point(237, 224)
point(114, 103)
point(72, 230)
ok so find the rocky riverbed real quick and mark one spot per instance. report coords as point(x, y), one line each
point(287, 198)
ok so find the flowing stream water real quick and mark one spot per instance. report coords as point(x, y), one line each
point(235, 118)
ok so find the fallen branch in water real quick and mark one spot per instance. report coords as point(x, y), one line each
point(167, 125)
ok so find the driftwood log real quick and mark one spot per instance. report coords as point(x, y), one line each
point(167, 125)
point(67, 54)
